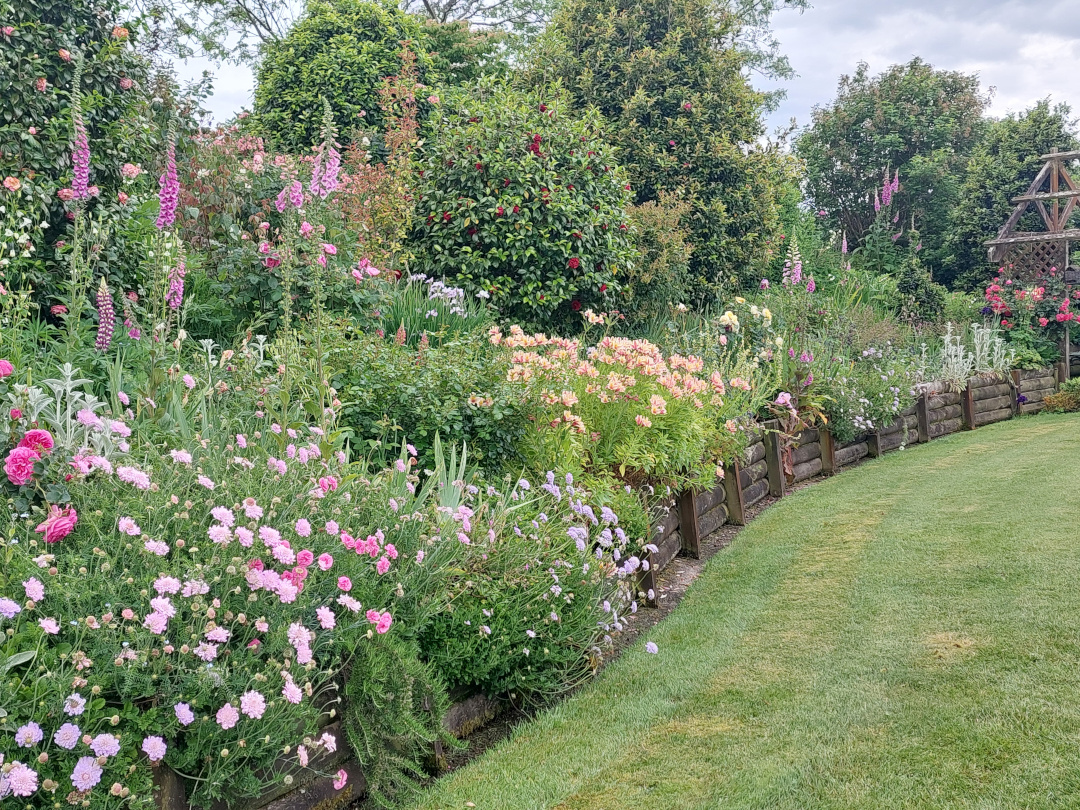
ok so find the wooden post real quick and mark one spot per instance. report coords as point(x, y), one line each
point(774, 463)
point(688, 525)
point(873, 445)
point(1014, 389)
point(967, 406)
point(733, 494)
point(649, 581)
point(828, 451)
point(922, 412)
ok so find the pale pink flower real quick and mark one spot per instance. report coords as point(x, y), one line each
point(326, 618)
point(34, 589)
point(129, 527)
point(326, 562)
point(253, 704)
point(341, 778)
point(227, 716)
point(184, 715)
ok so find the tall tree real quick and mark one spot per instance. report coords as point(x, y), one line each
point(682, 113)
point(913, 119)
point(1003, 165)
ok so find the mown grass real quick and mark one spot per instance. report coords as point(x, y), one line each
point(905, 635)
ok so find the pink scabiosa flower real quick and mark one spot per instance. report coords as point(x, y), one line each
point(106, 317)
point(34, 589)
point(326, 618)
point(86, 775)
point(23, 780)
point(184, 715)
point(154, 747)
point(253, 704)
point(169, 194)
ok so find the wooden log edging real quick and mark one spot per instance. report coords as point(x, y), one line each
point(1032, 387)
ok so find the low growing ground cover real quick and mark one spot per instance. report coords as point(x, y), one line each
point(903, 635)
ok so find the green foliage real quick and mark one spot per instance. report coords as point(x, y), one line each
point(457, 389)
point(520, 199)
point(340, 50)
point(460, 55)
point(683, 115)
point(912, 119)
point(527, 610)
point(394, 705)
point(37, 68)
point(659, 277)
point(1002, 165)
point(422, 309)
point(923, 299)
point(1066, 399)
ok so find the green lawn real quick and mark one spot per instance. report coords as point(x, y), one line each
point(905, 635)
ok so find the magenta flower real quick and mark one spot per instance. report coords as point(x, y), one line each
point(58, 524)
point(175, 296)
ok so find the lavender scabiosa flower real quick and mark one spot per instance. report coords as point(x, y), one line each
point(175, 296)
point(106, 317)
point(169, 196)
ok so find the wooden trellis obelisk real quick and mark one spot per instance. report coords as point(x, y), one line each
point(1033, 251)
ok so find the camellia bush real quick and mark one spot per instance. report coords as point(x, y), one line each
point(521, 201)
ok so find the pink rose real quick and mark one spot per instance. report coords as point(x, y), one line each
point(6, 369)
point(19, 465)
point(40, 441)
point(59, 523)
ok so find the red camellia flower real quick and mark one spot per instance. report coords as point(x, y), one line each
point(516, 209)
point(500, 211)
point(603, 288)
point(479, 167)
point(575, 305)
point(575, 262)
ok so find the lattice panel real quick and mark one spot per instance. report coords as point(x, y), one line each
point(1031, 259)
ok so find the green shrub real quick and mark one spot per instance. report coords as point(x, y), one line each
point(457, 389)
point(520, 200)
point(527, 611)
point(672, 92)
point(659, 277)
point(340, 50)
point(1066, 399)
point(38, 60)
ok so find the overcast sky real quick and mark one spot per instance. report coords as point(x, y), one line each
point(1025, 49)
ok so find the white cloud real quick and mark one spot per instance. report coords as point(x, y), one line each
point(1022, 49)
